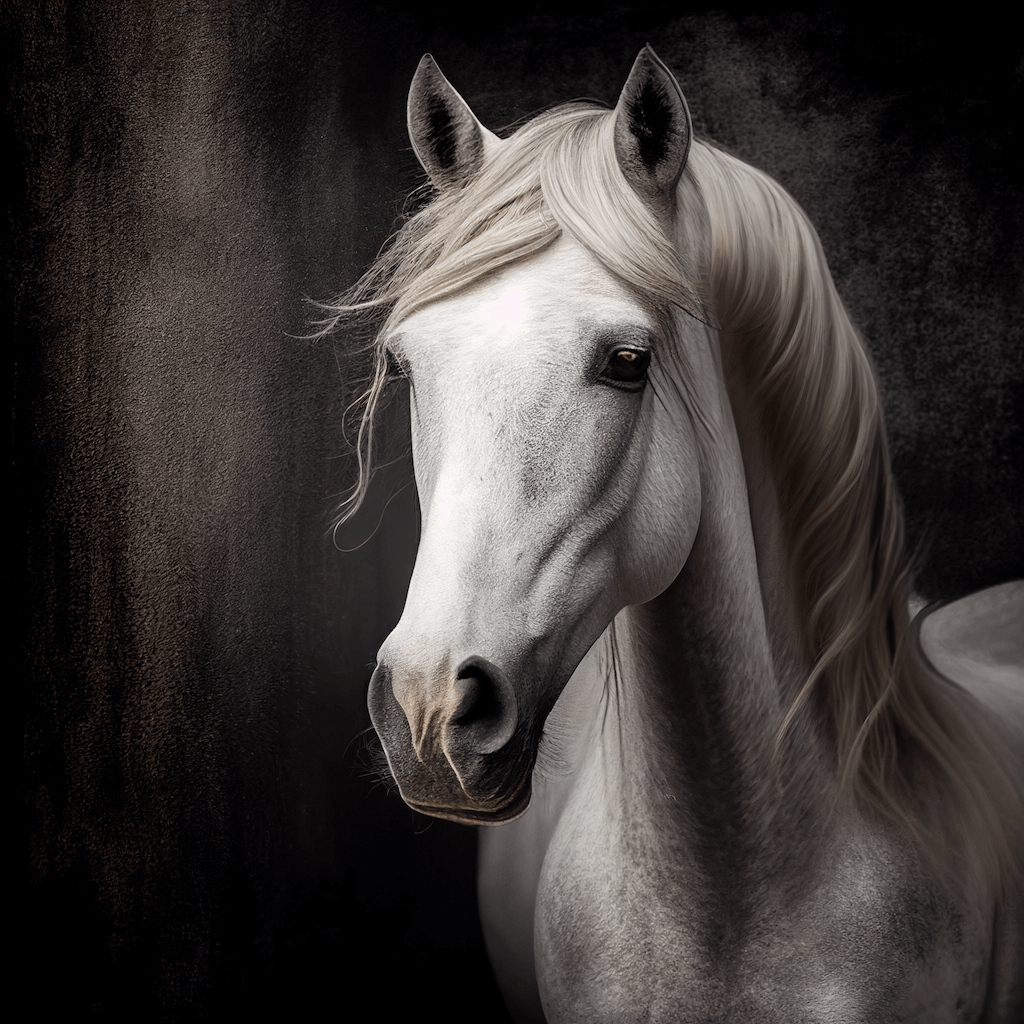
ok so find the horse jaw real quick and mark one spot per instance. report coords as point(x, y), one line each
point(550, 500)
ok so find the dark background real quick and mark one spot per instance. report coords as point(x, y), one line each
point(199, 836)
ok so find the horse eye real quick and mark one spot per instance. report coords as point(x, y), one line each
point(627, 366)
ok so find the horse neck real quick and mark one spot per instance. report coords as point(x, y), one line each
point(708, 671)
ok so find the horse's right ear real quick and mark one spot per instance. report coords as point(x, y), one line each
point(449, 141)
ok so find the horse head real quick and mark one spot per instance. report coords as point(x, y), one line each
point(558, 478)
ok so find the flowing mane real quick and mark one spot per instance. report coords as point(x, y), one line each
point(747, 263)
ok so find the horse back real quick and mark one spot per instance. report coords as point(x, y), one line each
point(978, 643)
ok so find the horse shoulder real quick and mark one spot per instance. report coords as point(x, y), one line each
point(893, 941)
point(859, 939)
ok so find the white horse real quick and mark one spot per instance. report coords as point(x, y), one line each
point(658, 620)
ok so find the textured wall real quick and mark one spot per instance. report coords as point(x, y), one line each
point(195, 653)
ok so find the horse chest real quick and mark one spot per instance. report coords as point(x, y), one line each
point(625, 932)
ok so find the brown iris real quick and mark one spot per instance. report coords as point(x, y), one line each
point(627, 366)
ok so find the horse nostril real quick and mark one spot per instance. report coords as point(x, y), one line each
point(486, 712)
point(477, 700)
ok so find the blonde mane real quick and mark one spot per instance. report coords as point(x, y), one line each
point(748, 261)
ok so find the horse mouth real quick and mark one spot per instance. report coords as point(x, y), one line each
point(499, 813)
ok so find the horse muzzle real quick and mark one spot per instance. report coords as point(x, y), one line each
point(455, 742)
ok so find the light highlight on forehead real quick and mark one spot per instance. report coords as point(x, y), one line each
point(508, 312)
point(559, 298)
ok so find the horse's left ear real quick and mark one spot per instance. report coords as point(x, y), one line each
point(449, 141)
point(652, 132)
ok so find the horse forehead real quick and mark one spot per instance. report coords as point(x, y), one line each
point(547, 305)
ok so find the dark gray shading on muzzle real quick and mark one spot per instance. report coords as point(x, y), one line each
point(479, 768)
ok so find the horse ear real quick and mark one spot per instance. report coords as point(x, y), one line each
point(449, 141)
point(652, 132)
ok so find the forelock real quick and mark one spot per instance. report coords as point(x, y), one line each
point(556, 175)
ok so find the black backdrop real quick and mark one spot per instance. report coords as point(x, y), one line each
point(197, 835)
